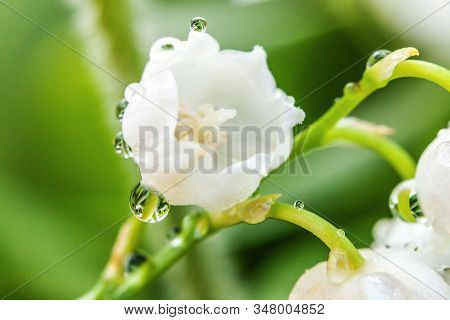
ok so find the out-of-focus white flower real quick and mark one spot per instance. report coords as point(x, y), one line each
point(433, 182)
point(408, 261)
point(191, 85)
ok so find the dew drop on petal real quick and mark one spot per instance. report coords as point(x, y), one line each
point(403, 202)
point(167, 46)
point(376, 56)
point(134, 91)
point(121, 147)
point(198, 24)
point(411, 246)
point(300, 205)
point(120, 109)
point(443, 153)
point(133, 261)
point(148, 205)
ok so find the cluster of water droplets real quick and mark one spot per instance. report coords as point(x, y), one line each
point(403, 202)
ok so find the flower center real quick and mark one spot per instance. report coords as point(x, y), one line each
point(203, 125)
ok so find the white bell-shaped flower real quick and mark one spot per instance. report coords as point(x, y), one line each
point(408, 261)
point(433, 182)
point(205, 125)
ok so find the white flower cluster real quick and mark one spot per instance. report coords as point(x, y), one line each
point(407, 260)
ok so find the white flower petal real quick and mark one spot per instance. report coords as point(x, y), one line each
point(433, 182)
point(386, 274)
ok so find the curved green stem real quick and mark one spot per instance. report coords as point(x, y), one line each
point(312, 137)
point(325, 231)
point(198, 226)
point(423, 70)
point(398, 158)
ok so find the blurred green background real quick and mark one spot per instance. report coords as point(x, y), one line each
point(61, 183)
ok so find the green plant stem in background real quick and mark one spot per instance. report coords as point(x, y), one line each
point(114, 271)
point(312, 137)
point(197, 227)
point(113, 21)
point(397, 157)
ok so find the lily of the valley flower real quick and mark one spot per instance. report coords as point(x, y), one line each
point(408, 261)
point(433, 182)
point(189, 86)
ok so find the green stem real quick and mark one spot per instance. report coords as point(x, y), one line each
point(198, 226)
point(114, 23)
point(325, 231)
point(312, 137)
point(423, 70)
point(113, 273)
point(398, 158)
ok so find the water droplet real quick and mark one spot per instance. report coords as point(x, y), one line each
point(443, 153)
point(120, 109)
point(173, 232)
point(338, 269)
point(351, 88)
point(198, 24)
point(167, 46)
point(134, 91)
point(376, 56)
point(148, 205)
point(341, 233)
point(411, 246)
point(133, 261)
point(403, 202)
point(299, 205)
point(121, 147)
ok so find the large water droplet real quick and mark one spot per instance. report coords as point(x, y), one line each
point(338, 269)
point(121, 147)
point(134, 91)
point(120, 109)
point(148, 205)
point(299, 204)
point(133, 261)
point(376, 56)
point(403, 201)
point(443, 153)
point(198, 24)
